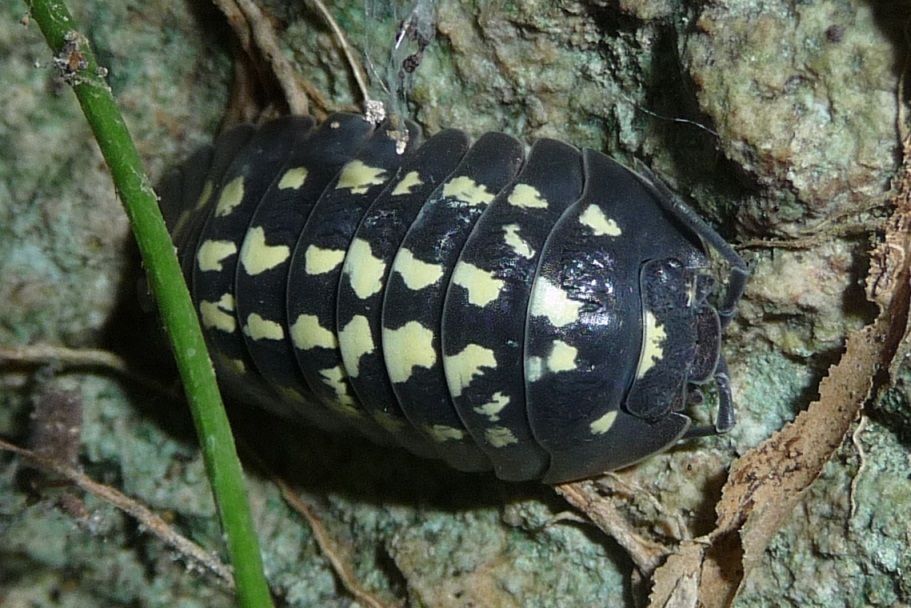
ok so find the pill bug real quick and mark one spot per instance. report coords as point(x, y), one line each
point(545, 316)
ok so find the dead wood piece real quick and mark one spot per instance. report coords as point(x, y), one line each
point(583, 495)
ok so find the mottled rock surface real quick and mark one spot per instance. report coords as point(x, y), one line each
point(777, 120)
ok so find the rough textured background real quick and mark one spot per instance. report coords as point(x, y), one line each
point(802, 102)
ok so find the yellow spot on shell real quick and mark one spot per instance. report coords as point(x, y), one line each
point(292, 179)
point(562, 358)
point(411, 180)
point(358, 177)
point(548, 300)
point(603, 424)
point(467, 190)
point(235, 365)
point(219, 315)
point(204, 196)
point(517, 243)
point(462, 367)
point(180, 224)
point(291, 394)
point(231, 196)
point(306, 333)
point(500, 436)
point(355, 341)
point(259, 328)
point(407, 347)
point(389, 422)
point(416, 274)
point(652, 344)
point(365, 271)
point(527, 197)
point(335, 378)
point(492, 408)
point(256, 256)
point(483, 288)
point(601, 225)
point(442, 433)
point(534, 369)
point(320, 261)
point(212, 253)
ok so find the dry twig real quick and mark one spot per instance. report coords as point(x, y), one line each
point(373, 109)
point(41, 354)
point(327, 545)
point(268, 45)
point(62, 356)
point(149, 520)
point(254, 31)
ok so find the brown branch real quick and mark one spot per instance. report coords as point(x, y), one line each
point(258, 39)
point(267, 43)
point(238, 22)
point(374, 110)
point(327, 545)
point(41, 354)
point(49, 354)
point(149, 520)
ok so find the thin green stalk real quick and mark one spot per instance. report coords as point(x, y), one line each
point(75, 59)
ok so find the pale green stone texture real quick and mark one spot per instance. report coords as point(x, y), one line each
point(777, 120)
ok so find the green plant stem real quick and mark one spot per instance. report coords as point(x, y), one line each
point(75, 59)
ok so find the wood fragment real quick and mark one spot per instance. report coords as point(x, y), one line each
point(55, 432)
point(55, 428)
point(624, 486)
point(645, 553)
point(862, 457)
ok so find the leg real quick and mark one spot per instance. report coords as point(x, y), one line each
point(724, 418)
point(737, 282)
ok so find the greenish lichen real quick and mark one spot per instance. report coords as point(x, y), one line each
point(804, 98)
